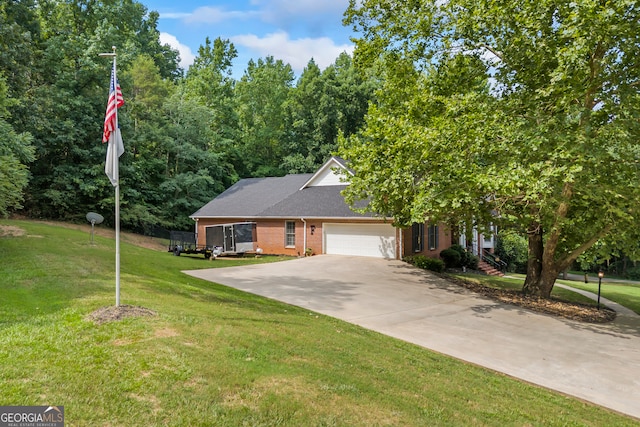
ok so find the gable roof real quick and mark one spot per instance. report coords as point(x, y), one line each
point(326, 174)
point(291, 196)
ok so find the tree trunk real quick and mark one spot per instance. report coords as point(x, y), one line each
point(542, 271)
point(543, 268)
point(534, 263)
point(547, 278)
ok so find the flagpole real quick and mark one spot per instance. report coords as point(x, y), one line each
point(117, 185)
point(116, 159)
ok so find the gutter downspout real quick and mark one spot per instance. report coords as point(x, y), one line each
point(196, 232)
point(304, 239)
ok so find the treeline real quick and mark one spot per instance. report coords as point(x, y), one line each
point(188, 134)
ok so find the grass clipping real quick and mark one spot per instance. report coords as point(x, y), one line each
point(553, 306)
point(113, 313)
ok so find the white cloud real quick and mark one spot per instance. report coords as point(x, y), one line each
point(209, 15)
point(174, 15)
point(267, 10)
point(302, 7)
point(315, 16)
point(213, 15)
point(296, 53)
point(186, 55)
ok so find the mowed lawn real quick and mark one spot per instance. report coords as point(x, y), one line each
point(214, 356)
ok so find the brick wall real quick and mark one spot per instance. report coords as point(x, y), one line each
point(271, 238)
point(271, 234)
point(444, 241)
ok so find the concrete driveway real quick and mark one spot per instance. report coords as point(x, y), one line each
point(597, 363)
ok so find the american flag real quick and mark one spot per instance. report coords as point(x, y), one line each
point(115, 101)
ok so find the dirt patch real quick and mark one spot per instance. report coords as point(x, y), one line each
point(165, 333)
point(568, 310)
point(10, 230)
point(113, 313)
point(150, 400)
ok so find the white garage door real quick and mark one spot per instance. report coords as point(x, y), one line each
point(374, 240)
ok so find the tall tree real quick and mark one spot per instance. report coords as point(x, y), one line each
point(66, 94)
point(19, 50)
point(261, 96)
point(143, 168)
point(171, 167)
point(322, 106)
point(15, 153)
point(313, 117)
point(352, 91)
point(209, 82)
point(551, 147)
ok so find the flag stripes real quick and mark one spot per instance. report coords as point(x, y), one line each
point(115, 101)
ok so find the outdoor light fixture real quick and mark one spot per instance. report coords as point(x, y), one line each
point(600, 276)
point(313, 229)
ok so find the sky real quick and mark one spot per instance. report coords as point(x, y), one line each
point(291, 30)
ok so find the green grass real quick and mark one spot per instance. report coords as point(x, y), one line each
point(217, 356)
point(625, 294)
point(515, 282)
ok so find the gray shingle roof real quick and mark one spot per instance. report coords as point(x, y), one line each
point(278, 198)
point(319, 202)
point(249, 197)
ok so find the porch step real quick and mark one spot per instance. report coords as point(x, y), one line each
point(489, 270)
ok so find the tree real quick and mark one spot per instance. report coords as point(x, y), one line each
point(19, 40)
point(322, 106)
point(523, 114)
point(196, 171)
point(352, 92)
point(61, 87)
point(208, 82)
point(171, 167)
point(261, 96)
point(15, 152)
point(313, 117)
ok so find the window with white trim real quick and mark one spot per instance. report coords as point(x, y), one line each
point(290, 234)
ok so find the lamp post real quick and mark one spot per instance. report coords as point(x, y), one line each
point(600, 276)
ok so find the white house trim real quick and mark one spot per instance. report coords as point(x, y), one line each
point(327, 175)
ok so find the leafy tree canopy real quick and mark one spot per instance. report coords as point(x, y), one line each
point(15, 153)
point(187, 136)
point(524, 113)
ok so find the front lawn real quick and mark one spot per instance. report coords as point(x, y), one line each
point(626, 294)
point(213, 355)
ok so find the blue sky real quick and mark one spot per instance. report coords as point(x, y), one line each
point(291, 30)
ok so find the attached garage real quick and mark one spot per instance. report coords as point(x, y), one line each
point(372, 240)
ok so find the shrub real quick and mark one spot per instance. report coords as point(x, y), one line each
point(426, 263)
point(513, 249)
point(473, 261)
point(465, 256)
point(451, 258)
point(633, 273)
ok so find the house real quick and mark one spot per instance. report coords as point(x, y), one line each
point(306, 213)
